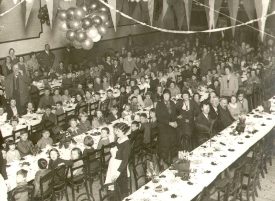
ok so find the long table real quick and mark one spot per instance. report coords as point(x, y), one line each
point(29, 162)
point(209, 160)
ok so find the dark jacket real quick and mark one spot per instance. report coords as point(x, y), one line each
point(224, 118)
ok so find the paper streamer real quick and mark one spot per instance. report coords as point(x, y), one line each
point(179, 11)
point(212, 9)
point(7, 11)
point(164, 8)
point(151, 6)
point(261, 10)
point(112, 4)
point(233, 7)
point(249, 8)
point(188, 7)
point(29, 4)
point(50, 11)
point(184, 32)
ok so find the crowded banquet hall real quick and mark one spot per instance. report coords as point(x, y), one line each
point(137, 100)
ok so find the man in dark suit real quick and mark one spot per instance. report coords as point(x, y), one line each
point(224, 117)
point(46, 59)
point(204, 124)
point(17, 87)
point(214, 111)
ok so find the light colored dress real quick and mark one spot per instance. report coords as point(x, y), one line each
point(234, 110)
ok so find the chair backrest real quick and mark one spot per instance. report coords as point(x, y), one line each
point(71, 112)
point(46, 185)
point(61, 119)
point(60, 173)
point(76, 169)
point(106, 195)
point(106, 154)
point(22, 193)
point(138, 168)
point(92, 108)
point(36, 132)
point(16, 134)
point(81, 108)
point(93, 162)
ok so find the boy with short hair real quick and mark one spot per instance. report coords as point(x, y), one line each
point(25, 146)
point(45, 140)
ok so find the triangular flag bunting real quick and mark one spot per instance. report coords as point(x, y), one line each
point(164, 8)
point(212, 10)
point(50, 10)
point(233, 7)
point(112, 3)
point(29, 4)
point(179, 11)
point(261, 10)
point(188, 7)
point(151, 6)
point(249, 8)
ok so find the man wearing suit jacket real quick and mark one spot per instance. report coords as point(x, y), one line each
point(46, 59)
point(224, 118)
point(214, 111)
point(204, 124)
point(17, 87)
point(229, 84)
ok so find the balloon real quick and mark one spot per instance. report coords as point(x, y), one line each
point(62, 15)
point(97, 20)
point(87, 23)
point(75, 24)
point(103, 16)
point(79, 13)
point(93, 6)
point(70, 13)
point(87, 44)
point(70, 35)
point(81, 36)
point(102, 29)
point(77, 44)
point(103, 9)
point(96, 38)
point(63, 26)
point(92, 32)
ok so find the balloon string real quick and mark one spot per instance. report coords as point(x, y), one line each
point(7, 11)
point(184, 32)
point(218, 12)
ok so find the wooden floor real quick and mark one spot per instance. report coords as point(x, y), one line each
point(268, 185)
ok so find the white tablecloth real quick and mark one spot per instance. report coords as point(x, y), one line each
point(209, 160)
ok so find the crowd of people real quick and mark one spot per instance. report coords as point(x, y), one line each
point(193, 90)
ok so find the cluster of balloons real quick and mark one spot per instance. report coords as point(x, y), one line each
point(43, 15)
point(84, 25)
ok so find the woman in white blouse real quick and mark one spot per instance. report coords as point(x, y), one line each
point(234, 108)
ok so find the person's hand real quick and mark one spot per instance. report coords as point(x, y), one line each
point(173, 124)
point(179, 117)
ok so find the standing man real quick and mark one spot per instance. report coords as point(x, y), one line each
point(46, 59)
point(129, 64)
point(229, 84)
point(17, 87)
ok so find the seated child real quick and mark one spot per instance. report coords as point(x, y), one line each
point(88, 143)
point(45, 140)
point(113, 115)
point(22, 186)
point(148, 101)
point(59, 109)
point(76, 154)
point(12, 153)
point(84, 124)
point(55, 159)
point(48, 116)
point(73, 129)
point(25, 146)
point(42, 164)
point(126, 110)
point(104, 140)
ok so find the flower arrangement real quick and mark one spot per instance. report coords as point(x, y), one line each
point(65, 139)
point(241, 124)
point(43, 15)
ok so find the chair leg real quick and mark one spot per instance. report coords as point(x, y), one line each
point(87, 191)
point(73, 193)
point(66, 193)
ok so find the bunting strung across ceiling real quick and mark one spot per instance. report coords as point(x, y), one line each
point(233, 6)
point(212, 9)
point(188, 7)
point(261, 10)
point(29, 4)
point(151, 5)
point(179, 11)
point(164, 8)
point(50, 11)
point(112, 3)
point(249, 8)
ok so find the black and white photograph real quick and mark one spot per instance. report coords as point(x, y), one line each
point(137, 100)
